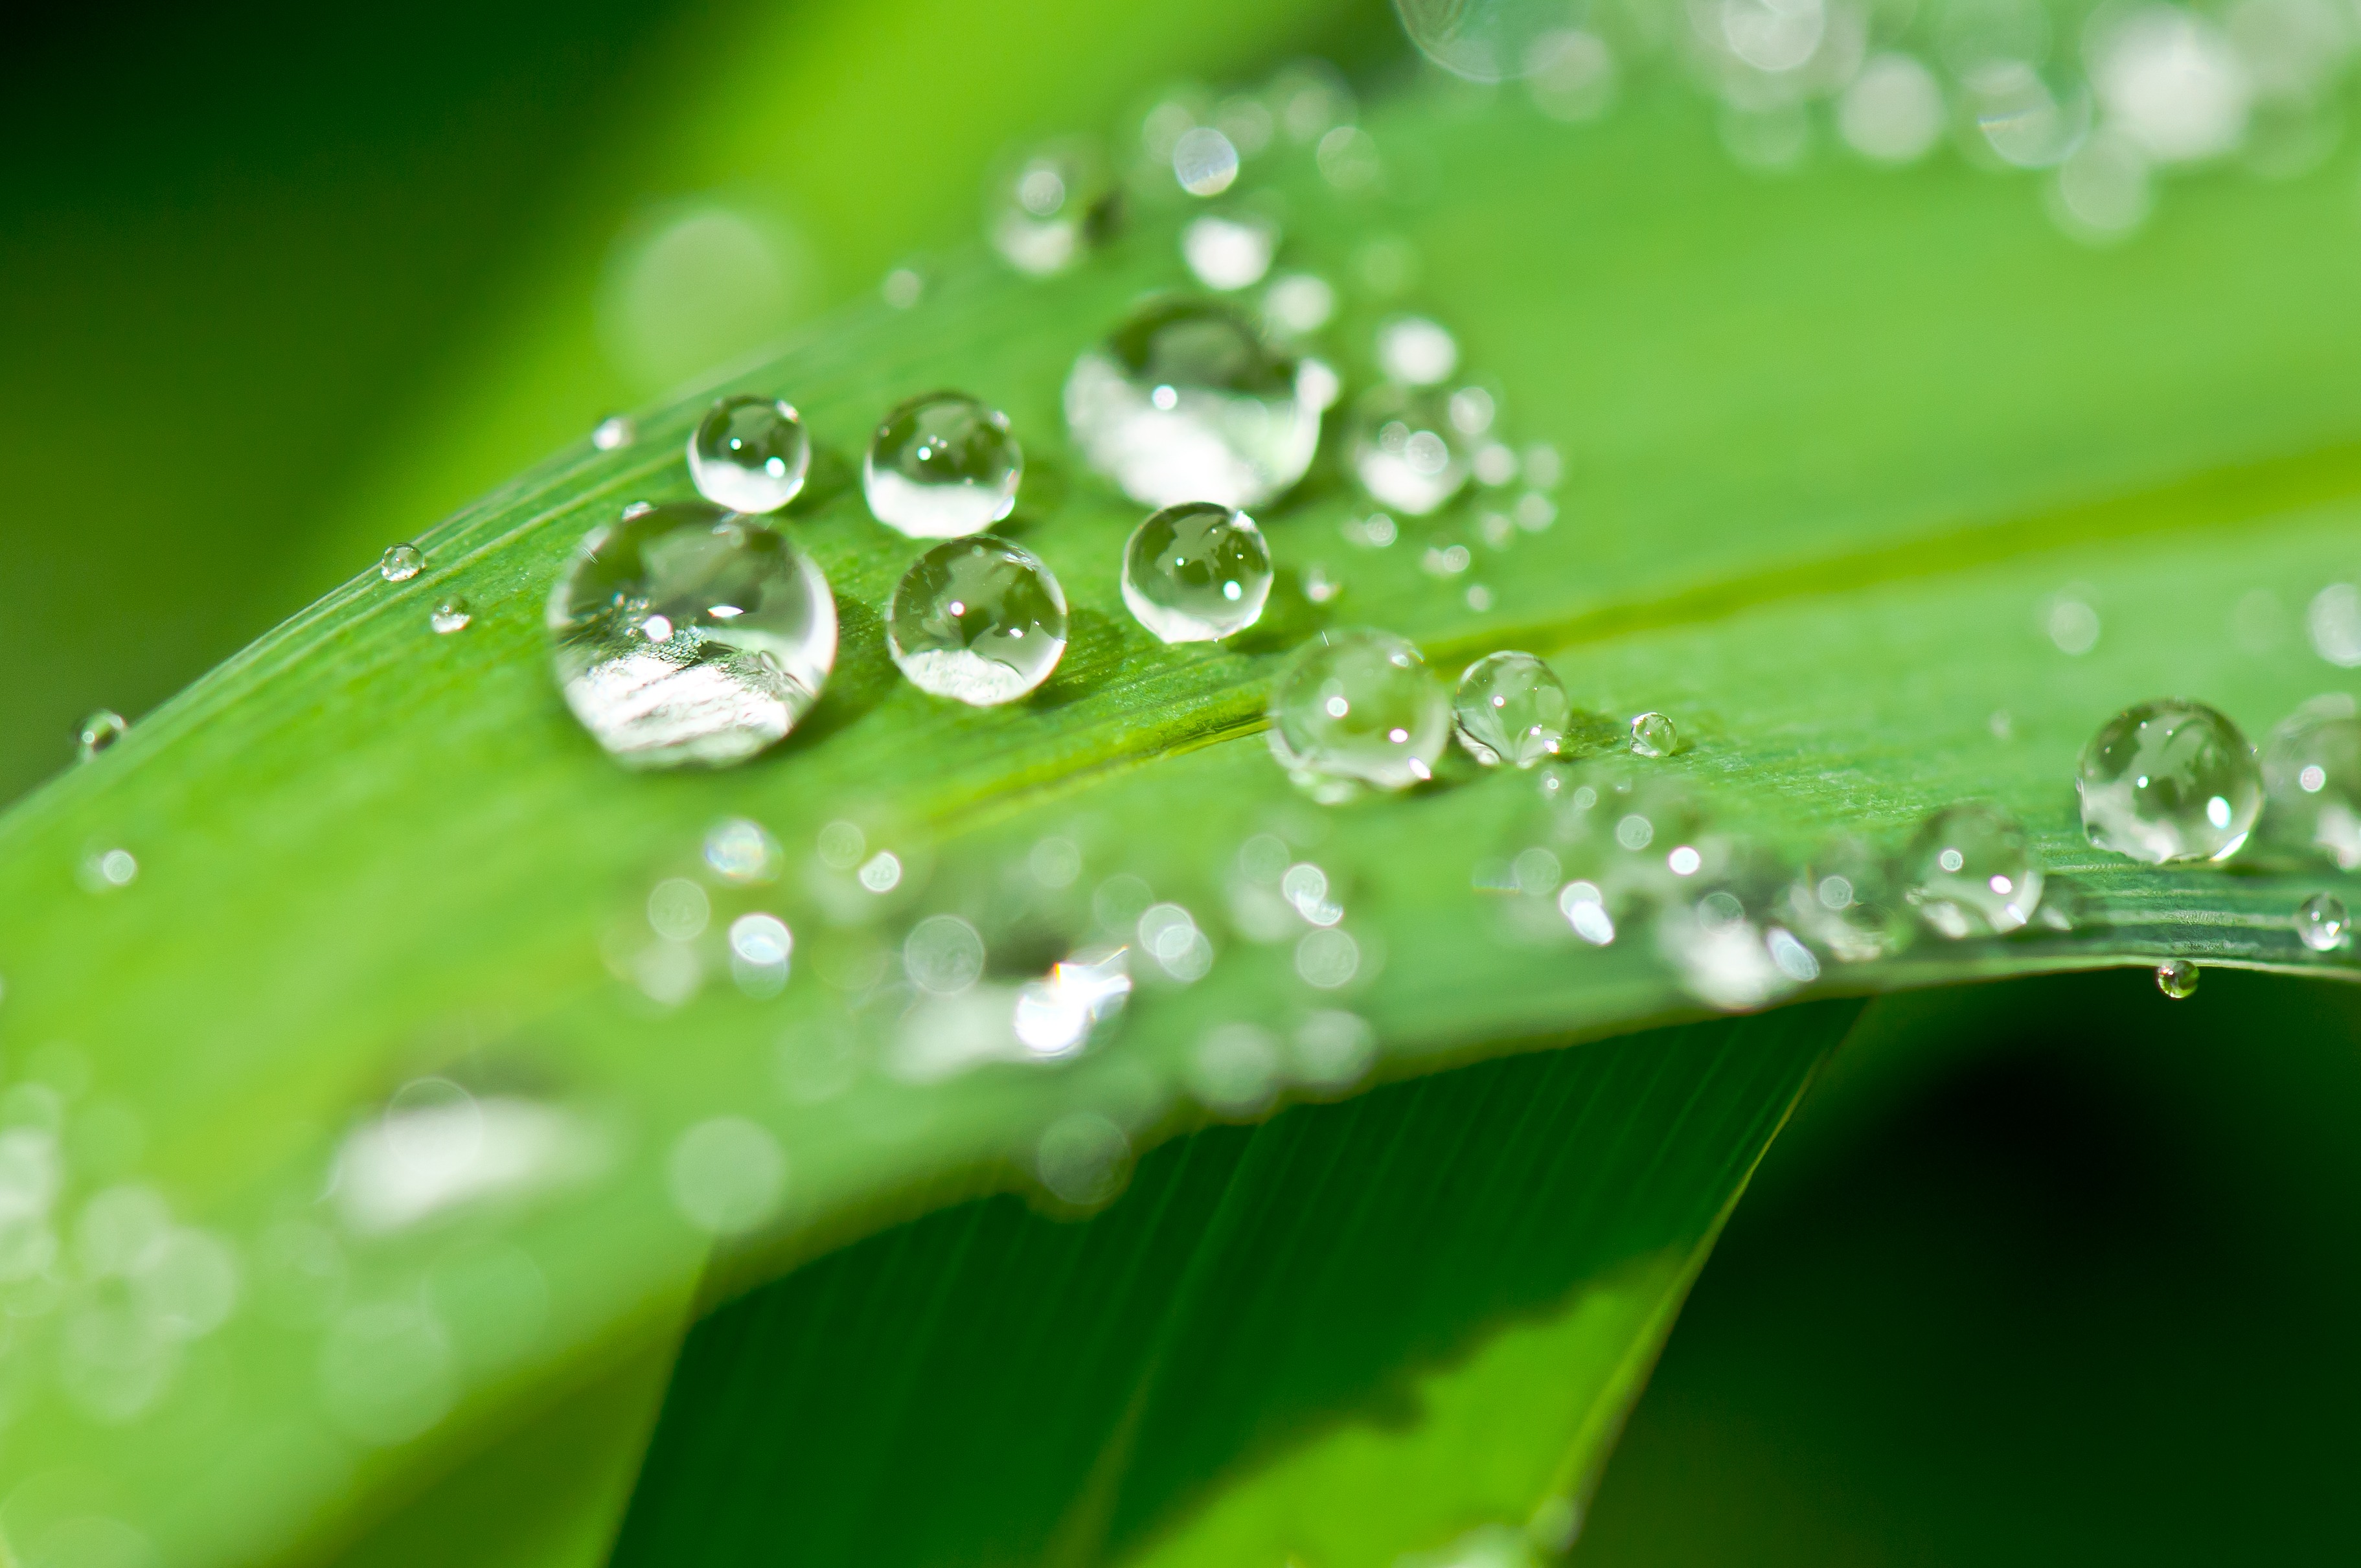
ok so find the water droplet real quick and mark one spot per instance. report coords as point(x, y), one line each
point(2311, 775)
point(1845, 900)
point(678, 910)
point(761, 947)
point(2170, 82)
point(750, 453)
point(943, 955)
point(903, 288)
point(2333, 621)
point(1893, 113)
point(1185, 402)
point(1327, 958)
point(1052, 207)
point(1358, 707)
point(1483, 40)
point(977, 620)
point(1726, 959)
point(1654, 735)
point(1413, 351)
point(2177, 978)
point(1511, 707)
point(743, 852)
point(100, 731)
point(1056, 1015)
point(1229, 251)
point(1299, 303)
point(1971, 872)
point(2322, 923)
point(450, 614)
point(2072, 625)
point(105, 870)
point(1407, 451)
point(684, 634)
point(614, 432)
point(942, 466)
point(1054, 862)
point(1204, 161)
point(401, 562)
point(1082, 1158)
point(728, 1175)
point(1196, 573)
point(2167, 781)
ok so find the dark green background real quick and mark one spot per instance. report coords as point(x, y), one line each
point(2054, 1271)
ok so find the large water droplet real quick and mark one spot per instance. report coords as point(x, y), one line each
point(1971, 872)
point(2177, 978)
point(1185, 402)
point(2322, 922)
point(942, 466)
point(100, 731)
point(750, 453)
point(1511, 707)
point(1358, 707)
point(977, 620)
point(1845, 901)
point(687, 634)
point(2311, 775)
point(1408, 451)
point(1051, 208)
point(401, 562)
point(1196, 573)
point(2170, 780)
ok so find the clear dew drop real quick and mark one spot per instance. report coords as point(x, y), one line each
point(686, 634)
point(614, 432)
point(750, 453)
point(1204, 160)
point(1654, 735)
point(100, 731)
point(942, 466)
point(1845, 900)
point(1196, 573)
point(450, 614)
point(1354, 708)
point(2177, 978)
point(979, 619)
point(1185, 402)
point(2322, 922)
point(1229, 251)
point(2312, 776)
point(1049, 209)
point(2168, 781)
point(401, 562)
point(1413, 351)
point(1409, 449)
point(1511, 707)
point(1971, 872)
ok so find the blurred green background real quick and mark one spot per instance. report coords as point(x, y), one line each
point(2053, 1272)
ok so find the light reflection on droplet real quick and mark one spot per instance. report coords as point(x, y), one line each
point(743, 852)
point(1054, 1017)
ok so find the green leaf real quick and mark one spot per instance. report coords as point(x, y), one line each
point(1835, 442)
point(1351, 1331)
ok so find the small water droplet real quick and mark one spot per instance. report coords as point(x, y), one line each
point(1229, 251)
point(1185, 402)
point(1204, 161)
point(614, 432)
point(2072, 625)
point(1299, 303)
point(761, 948)
point(2177, 978)
point(1358, 707)
point(903, 288)
point(1413, 351)
point(750, 453)
point(450, 614)
point(881, 873)
point(1055, 1017)
point(401, 562)
point(1052, 207)
point(1196, 573)
point(106, 869)
point(100, 731)
point(1654, 735)
point(1407, 452)
point(726, 1175)
point(684, 634)
point(1082, 1160)
point(1845, 900)
point(977, 620)
point(1971, 872)
point(2169, 781)
point(1511, 707)
point(2322, 923)
point(942, 466)
point(743, 852)
point(2312, 776)
point(2333, 621)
